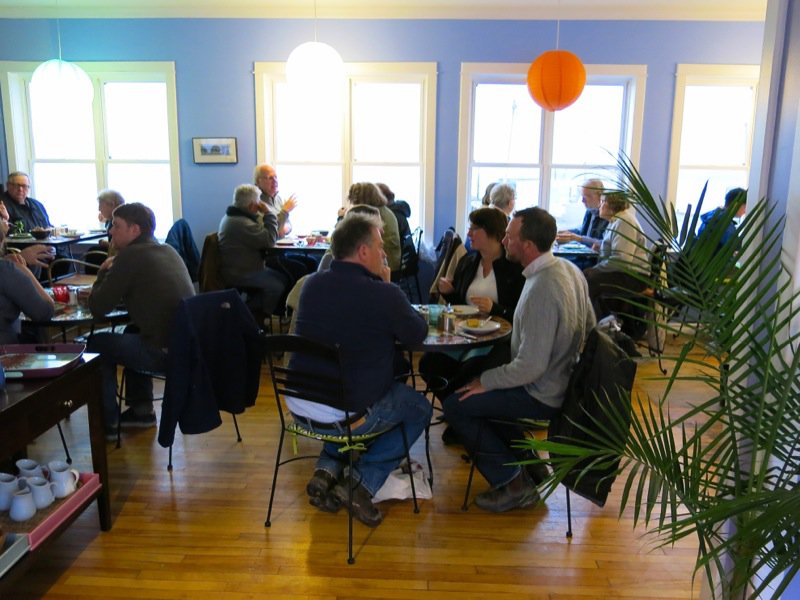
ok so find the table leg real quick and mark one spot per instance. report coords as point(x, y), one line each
point(97, 438)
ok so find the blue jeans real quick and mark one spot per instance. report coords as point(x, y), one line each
point(128, 350)
point(401, 404)
point(489, 443)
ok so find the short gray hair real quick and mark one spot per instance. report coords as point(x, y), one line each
point(110, 198)
point(502, 196)
point(244, 195)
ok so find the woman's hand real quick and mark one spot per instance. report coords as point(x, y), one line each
point(484, 304)
point(567, 236)
point(446, 286)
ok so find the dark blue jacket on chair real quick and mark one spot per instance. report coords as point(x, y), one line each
point(214, 364)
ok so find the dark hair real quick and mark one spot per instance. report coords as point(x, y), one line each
point(538, 226)
point(137, 213)
point(351, 233)
point(734, 195)
point(485, 201)
point(616, 201)
point(491, 220)
point(387, 193)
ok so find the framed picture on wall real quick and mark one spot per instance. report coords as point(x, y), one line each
point(215, 150)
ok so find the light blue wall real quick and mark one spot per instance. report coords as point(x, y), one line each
point(214, 60)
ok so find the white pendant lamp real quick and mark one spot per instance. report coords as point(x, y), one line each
point(315, 68)
point(58, 78)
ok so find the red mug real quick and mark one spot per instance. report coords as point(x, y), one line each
point(61, 293)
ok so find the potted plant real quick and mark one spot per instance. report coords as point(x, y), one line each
point(726, 471)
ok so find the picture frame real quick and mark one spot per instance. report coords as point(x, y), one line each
point(214, 150)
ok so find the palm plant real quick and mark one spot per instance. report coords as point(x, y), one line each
point(727, 470)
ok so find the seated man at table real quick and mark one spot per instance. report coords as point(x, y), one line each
point(150, 279)
point(248, 229)
point(591, 230)
point(266, 179)
point(354, 305)
point(30, 212)
point(552, 319)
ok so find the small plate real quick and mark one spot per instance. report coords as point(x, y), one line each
point(285, 243)
point(20, 236)
point(97, 231)
point(484, 328)
point(465, 310)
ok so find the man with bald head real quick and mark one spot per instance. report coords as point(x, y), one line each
point(593, 226)
point(266, 179)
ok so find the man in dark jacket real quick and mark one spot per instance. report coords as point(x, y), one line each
point(29, 211)
point(354, 305)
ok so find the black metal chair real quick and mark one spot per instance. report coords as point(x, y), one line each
point(324, 386)
point(409, 264)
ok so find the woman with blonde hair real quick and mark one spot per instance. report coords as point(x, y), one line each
point(369, 194)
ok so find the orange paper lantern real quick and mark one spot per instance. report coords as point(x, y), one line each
point(556, 79)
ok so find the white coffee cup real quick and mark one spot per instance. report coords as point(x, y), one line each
point(29, 468)
point(43, 491)
point(22, 505)
point(64, 478)
point(9, 485)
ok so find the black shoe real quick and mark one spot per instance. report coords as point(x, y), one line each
point(520, 493)
point(320, 484)
point(131, 419)
point(538, 473)
point(362, 508)
point(327, 503)
point(450, 437)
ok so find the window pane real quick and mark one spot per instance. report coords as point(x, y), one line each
point(386, 122)
point(691, 182)
point(403, 181)
point(525, 180)
point(149, 184)
point(566, 204)
point(136, 120)
point(306, 130)
point(60, 130)
point(319, 195)
point(717, 123)
point(507, 125)
point(589, 131)
point(68, 192)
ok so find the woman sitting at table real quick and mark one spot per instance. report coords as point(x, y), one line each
point(486, 279)
point(19, 292)
point(623, 255)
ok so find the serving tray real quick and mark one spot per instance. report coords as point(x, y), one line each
point(21, 361)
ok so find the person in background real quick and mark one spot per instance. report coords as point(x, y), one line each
point(622, 253)
point(487, 194)
point(248, 229)
point(266, 179)
point(370, 194)
point(400, 209)
point(355, 306)
point(504, 197)
point(150, 279)
point(551, 322)
point(107, 201)
point(733, 196)
point(591, 230)
point(21, 208)
point(19, 292)
point(486, 279)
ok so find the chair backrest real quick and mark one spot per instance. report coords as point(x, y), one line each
point(409, 253)
point(446, 259)
point(180, 237)
point(209, 275)
point(313, 372)
point(51, 267)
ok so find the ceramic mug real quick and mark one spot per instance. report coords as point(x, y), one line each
point(29, 468)
point(9, 485)
point(64, 478)
point(43, 491)
point(22, 505)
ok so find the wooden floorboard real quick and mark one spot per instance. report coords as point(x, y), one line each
point(198, 532)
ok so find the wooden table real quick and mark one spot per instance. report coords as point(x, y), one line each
point(577, 253)
point(55, 241)
point(73, 315)
point(28, 408)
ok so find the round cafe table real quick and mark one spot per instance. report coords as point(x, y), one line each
point(440, 341)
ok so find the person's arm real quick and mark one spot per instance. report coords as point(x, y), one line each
point(111, 285)
point(28, 294)
point(408, 325)
point(391, 238)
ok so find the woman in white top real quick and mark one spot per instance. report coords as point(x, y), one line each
point(623, 260)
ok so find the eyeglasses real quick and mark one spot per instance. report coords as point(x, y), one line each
point(24, 186)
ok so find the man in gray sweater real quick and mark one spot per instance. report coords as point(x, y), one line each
point(551, 322)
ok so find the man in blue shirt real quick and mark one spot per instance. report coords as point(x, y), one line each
point(20, 207)
point(354, 305)
point(734, 195)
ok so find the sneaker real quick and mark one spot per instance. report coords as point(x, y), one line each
point(320, 491)
point(362, 508)
point(131, 419)
point(520, 493)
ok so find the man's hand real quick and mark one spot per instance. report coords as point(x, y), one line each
point(567, 236)
point(484, 304)
point(472, 388)
point(107, 264)
point(4, 212)
point(37, 255)
point(289, 204)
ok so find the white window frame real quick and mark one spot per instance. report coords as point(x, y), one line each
point(706, 75)
point(266, 74)
point(15, 78)
point(472, 74)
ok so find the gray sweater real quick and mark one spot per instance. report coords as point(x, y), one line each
point(18, 294)
point(551, 321)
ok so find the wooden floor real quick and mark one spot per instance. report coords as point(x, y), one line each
point(198, 532)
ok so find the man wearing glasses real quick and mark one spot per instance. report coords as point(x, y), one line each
point(266, 179)
point(20, 207)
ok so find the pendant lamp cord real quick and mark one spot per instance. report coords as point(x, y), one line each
point(58, 30)
point(558, 24)
point(315, 20)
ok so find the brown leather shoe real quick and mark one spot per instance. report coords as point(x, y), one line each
point(520, 493)
point(320, 484)
point(362, 509)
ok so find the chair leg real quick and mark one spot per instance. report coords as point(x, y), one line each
point(569, 517)
point(350, 558)
point(236, 425)
point(64, 443)
point(419, 291)
point(410, 472)
point(169, 464)
point(268, 521)
point(120, 397)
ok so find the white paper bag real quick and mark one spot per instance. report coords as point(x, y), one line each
point(398, 485)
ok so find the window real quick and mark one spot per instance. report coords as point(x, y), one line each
point(383, 131)
point(712, 133)
point(126, 140)
point(505, 136)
